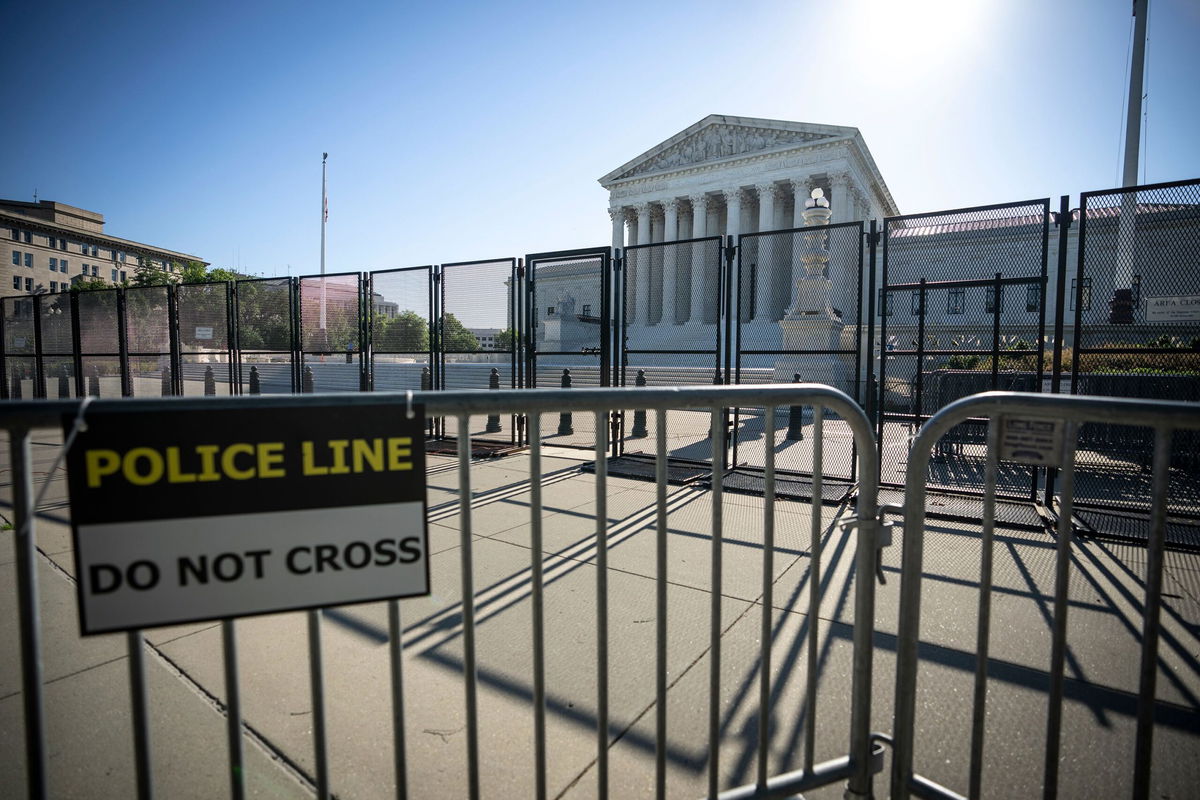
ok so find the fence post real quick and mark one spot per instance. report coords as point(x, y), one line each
point(64, 383)
point(564, 419)
point(210, 382)
point(94, 382)
point(255, 387)
point(307, 386)
point(639, 415)
point(795, 431)
point(166, 382)
point(493, 420)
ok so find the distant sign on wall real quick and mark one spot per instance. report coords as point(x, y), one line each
point(1173, 308)
point(187, 516)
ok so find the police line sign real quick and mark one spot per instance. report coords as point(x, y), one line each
point(179, 517)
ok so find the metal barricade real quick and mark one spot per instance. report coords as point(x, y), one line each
point(1059, 419)
point(863, 757)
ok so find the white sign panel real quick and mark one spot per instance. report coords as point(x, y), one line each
point(182, 517)
point(204, 332)
point(1032, 440)
point(1173, 308)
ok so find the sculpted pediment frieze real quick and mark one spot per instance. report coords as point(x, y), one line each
point(720, 141)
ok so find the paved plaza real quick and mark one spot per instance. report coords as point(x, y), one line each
point(87, 697)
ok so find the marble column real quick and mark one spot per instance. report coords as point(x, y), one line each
point(670, 262)
point(641, 262)
point(840, 185)
point(801, 187)
point(699, 265)
point(766, 252)
point(733, 227)
point(617, 215)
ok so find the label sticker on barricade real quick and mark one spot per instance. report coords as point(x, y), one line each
point(189, 516)
point(1032, 440)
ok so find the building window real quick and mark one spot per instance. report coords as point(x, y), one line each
point(52, 242)
point(989, 302)
point(54, 286)
point(54, 265)
point(121, 257)
point(550, 311)
point(29, 259)
point(587, 309)
point(28, 237)
point(62, 265)
point(915, 303)
point(122, 276)
point(1082, 293)
point(83, 248)
point(17, 282)
point(95, 251)
point(62, 244)
point(16, 236)
point(114, 278)
point(884, 309)
point(16, 258)
point(95, 270)
point(29, 284)
point(1033, 298)
point(954, 301)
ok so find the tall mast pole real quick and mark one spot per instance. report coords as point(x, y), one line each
point(1133, 120)
point(324, 219)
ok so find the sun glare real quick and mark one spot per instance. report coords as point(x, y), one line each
point(911, 38)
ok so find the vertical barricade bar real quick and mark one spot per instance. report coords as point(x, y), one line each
point(538, 602)
point(470, 676)
point(872, 254)
point(396, 653)
point(814, 588)
point(175, 356)
point(233, 712)
point(601, 607)
point(316, 676)
point(140, 702)
point(30, 614)
point(768, 601)
point(983, 628)
point(660, 599)
point(1153, 605)
point(1063, 220)
point(997, 303)
point(919, 400)
point(714, 673)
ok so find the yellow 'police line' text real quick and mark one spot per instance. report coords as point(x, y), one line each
point(242, 461)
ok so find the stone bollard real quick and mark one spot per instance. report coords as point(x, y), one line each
point(166, 382)
point(15, 394)
point(426, 379)
point(306, 385)
point(349, 355)
point(94, 383)
point(795, 431)
point(210, 382)
point(64, 383)
point(493, 420)
point(639, 415)
point(255, 387)
point(564, 419)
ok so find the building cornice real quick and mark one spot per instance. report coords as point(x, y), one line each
point(8, 218)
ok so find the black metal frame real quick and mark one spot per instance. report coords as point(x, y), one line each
point(293, 337)
point(737, 352)
point(607, 323)
point(923, 286)
point(302, 355)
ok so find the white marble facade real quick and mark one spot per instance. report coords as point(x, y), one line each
point(729, 176)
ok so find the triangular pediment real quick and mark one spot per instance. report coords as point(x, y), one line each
point(718, 138)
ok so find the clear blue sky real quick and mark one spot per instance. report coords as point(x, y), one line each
point(461, 130)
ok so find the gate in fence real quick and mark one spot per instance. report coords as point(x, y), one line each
point(670, 332)
point(330, 332)
point(568, 331)
point(799, 319)
point(267, 341)
point(1134, 307)
point(205, 338)
point(477, 339)
point(962, 310)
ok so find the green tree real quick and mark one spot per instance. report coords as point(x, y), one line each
point(407, 332)
point(147, 274)
point(89, 284)
point(506, 339)
point(456, 338)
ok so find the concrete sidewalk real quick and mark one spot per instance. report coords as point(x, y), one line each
point(90, 741)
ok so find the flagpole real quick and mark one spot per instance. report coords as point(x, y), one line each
point(324, 219)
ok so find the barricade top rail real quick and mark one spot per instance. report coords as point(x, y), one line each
point(49, 413)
